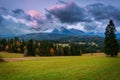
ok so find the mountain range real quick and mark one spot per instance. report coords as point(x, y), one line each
point(60, 33)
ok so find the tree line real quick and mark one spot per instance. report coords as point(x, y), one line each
point(46, 48)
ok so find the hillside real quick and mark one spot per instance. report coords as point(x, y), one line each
point(60, 37)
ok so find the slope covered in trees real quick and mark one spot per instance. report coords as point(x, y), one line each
point(49, 48)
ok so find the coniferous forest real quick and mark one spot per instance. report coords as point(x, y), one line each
point(48, 48)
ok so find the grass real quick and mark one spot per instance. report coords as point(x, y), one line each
point(84, 67)
point(10, 55)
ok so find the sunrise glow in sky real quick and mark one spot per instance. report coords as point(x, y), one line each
point(33, 16)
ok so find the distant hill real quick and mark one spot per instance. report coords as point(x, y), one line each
point(60, 37)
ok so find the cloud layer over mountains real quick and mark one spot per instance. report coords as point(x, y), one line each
point(93, 17)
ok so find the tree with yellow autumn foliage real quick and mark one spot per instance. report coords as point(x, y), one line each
point(52, 51)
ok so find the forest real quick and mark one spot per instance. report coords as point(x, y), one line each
point(48, 48)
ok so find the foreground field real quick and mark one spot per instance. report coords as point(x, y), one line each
point(86, 67)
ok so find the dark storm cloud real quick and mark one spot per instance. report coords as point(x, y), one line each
point(101, 12)
point(70, 12)
point(91, 16)
point(19, 13)
point(62, 2)
point(4, 11)
point(49, 16)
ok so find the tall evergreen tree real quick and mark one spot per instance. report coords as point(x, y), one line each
point(111, 46)
point(30, 48)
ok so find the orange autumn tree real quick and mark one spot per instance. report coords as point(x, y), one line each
point(52, 51)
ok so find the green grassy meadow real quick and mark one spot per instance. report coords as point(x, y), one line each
point(84, 67)
point(10, 55)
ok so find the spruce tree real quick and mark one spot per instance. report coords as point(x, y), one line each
point(111, 46)
point(30, 48)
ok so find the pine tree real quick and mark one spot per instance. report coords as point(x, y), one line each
point(111, 46)
point(30, 48)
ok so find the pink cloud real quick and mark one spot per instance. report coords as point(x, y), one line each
point(35, 14)
point(57, 7)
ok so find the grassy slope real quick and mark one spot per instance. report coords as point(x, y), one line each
point(63, 68)
point(10, 55)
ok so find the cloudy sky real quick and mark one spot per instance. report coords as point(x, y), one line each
point(30, 16)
